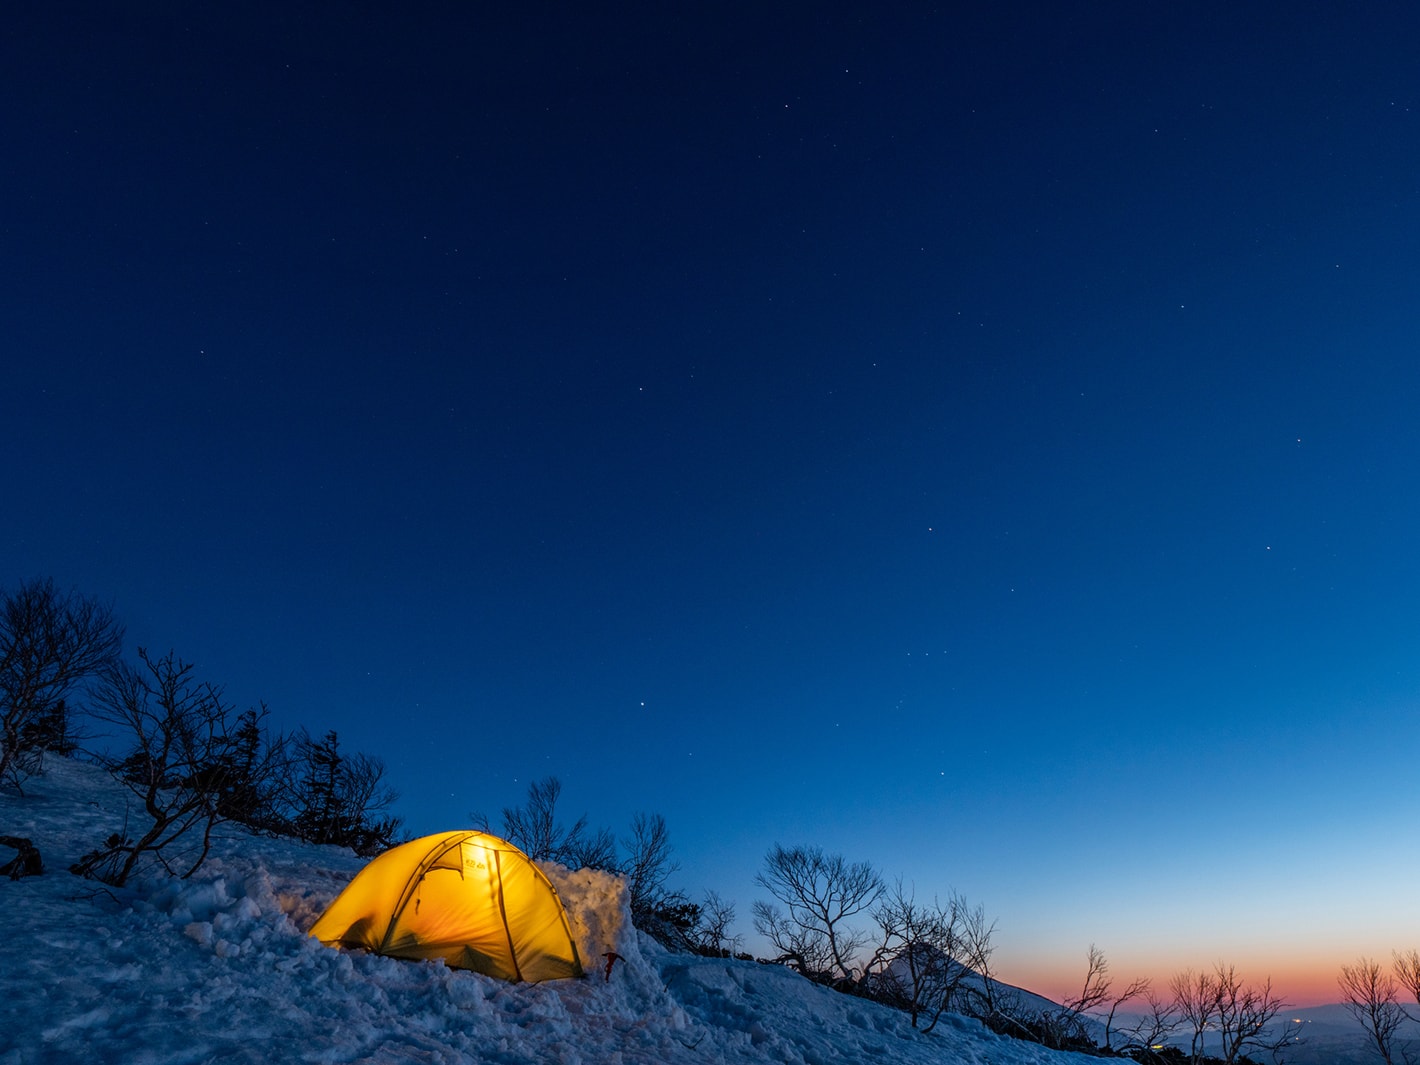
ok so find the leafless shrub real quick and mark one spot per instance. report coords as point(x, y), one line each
point(1152, 1029)
point(712, 933)
point(51, 643)
point(1407, 971)
point(985, 997)
point(340, 798)
point(922, 959)
point(179, 729)
point(1066, 1026)
point(1241, 1014)
point(1371, 995)
point(535, 829)
point(1195, 1001)
point(820, 893)
point(1246, 1015)
point(1132, 990)
point(648, 862)
point(591, 850)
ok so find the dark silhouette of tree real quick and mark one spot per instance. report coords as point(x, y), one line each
point(1151, 1029)
point(320, 817)
point(1371, 995)
point(1246, 1014)
point(1195, 1000)
point(985, 997)
point(593, 850)
point(1407, 971)
point(536, 831)
point(820, 893)
point(1132, 990)
point(648, 863)
point(711, 932)
point(51, 644)
point(341, 800)
point(1241, 1015)
point(179, 729)
point(249, 778)
point(243, 797)
point(922, 960)
point(1065, 1027)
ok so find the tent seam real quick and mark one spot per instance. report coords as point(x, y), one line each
point(503, 913)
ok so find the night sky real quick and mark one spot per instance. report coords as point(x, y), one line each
point(979, 439)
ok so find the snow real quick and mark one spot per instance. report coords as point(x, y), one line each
point(218, 969)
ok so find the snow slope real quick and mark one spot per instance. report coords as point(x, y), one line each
point(219, 969)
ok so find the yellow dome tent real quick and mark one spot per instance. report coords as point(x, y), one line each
point(467, 897)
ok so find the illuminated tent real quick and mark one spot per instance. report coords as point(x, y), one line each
point(467, 897)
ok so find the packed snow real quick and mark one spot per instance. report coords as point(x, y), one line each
point(218, 968)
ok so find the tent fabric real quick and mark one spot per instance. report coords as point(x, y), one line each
point(470, 898)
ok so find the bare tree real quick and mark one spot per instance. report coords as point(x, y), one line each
point(820, 893)
point(318, 814)
point(1371, 995)
point(341, 799)
point(802, 948)
point(1066, 1026)
point(712, 931)
point(253, 781)
point(535, 829)
point(648, 862)
point(367, 800)
point(592, 850)
point(1132, 990)
point(180, 730)
point(1148, 1033)
point(51, 642)
point(1242, 1015)
point(1407, 971)
point(1095, 989)
point(921, 961)
point(1196, 1002)
point(681, 925)
point(911, 948)
point(1246, 1015)
point(985, 997)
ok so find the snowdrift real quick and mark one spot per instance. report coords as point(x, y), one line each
point(219, 968)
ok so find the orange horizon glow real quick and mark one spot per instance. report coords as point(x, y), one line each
point(1301, 984)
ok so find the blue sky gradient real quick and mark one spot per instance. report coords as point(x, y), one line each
point(981, 443)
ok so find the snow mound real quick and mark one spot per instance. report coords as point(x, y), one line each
point(219, 969)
